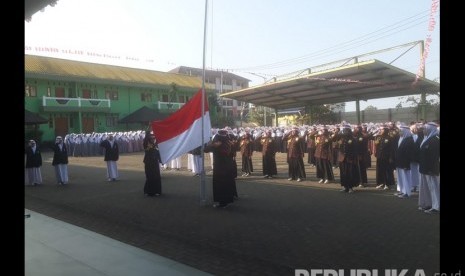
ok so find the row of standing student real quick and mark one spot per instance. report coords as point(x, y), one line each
point(152, 187)
point(400, 149)
point(224, 148)
point(34, 162)
point(60, 161)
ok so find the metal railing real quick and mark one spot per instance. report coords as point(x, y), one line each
point(75, 102)
point(169, 105)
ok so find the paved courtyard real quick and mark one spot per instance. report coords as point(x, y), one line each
point(275, 227)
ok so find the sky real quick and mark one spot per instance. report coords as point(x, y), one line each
point(255, 39)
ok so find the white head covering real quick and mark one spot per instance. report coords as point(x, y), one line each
point(33, 145)
point(404, 131)
point(429, 129)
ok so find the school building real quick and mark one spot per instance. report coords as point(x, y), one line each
point(83, 97)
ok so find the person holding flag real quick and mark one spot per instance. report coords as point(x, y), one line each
point(184, 130)
point(224, 181)
point(152, 185)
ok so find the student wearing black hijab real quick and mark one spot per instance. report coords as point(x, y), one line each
point(224, 182)
point(152, 162)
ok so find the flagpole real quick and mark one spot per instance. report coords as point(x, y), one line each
point(203, 191)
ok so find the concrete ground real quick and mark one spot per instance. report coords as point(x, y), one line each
point(53, 247)
point(276, 226)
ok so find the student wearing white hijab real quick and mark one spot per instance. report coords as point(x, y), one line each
point(404, 154)
point(111, 156)
point(60, 161)
point(428, 198)
point(417, 134)
point(33, 164)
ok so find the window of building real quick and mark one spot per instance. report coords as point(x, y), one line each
point(86, 94)
point(59, 92)
point(112, 120)
point(71, 93)
point(146, 97)
point(227, 82)
point(111, 95)
point(227, 103)
point(94, 94)
point(211, 80)
point(30, 91)
point(181, 99)
point(165, 98)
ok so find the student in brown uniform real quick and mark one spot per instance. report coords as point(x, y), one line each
point(324, 171)
point(268, 155)
point(246, 149)
point(348, 160)
point(295, 155)
point(385, 150)
point(361, 138)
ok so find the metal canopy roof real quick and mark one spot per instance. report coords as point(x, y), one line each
point(365, 80)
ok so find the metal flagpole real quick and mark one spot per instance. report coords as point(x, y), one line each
point(203, 192)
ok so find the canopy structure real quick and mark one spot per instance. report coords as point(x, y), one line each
point(33, 6)
point(365, 80)
point(31, 118)
point(143, 115)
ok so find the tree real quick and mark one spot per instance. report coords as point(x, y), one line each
point(213, 107)
point(256, 116)
point(370, 108)
point(432, 101)
point(303, 118)
point(320, 114)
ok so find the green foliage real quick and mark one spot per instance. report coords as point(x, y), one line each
point(432, 102)
point(370, 107)
point(320, 114)
point(255, 115)
point(213, 108)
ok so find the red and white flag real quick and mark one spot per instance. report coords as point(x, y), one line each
point(182, 130)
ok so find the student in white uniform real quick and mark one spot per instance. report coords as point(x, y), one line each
point(176, 163)
point(111, 157)
point(429, 196)
point(60, 161)
point(417, 134)
point(403, 158)
point(33, 164)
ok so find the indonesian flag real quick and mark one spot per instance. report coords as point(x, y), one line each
point(181, 132)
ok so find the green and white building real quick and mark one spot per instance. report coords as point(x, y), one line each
point(82, 97)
